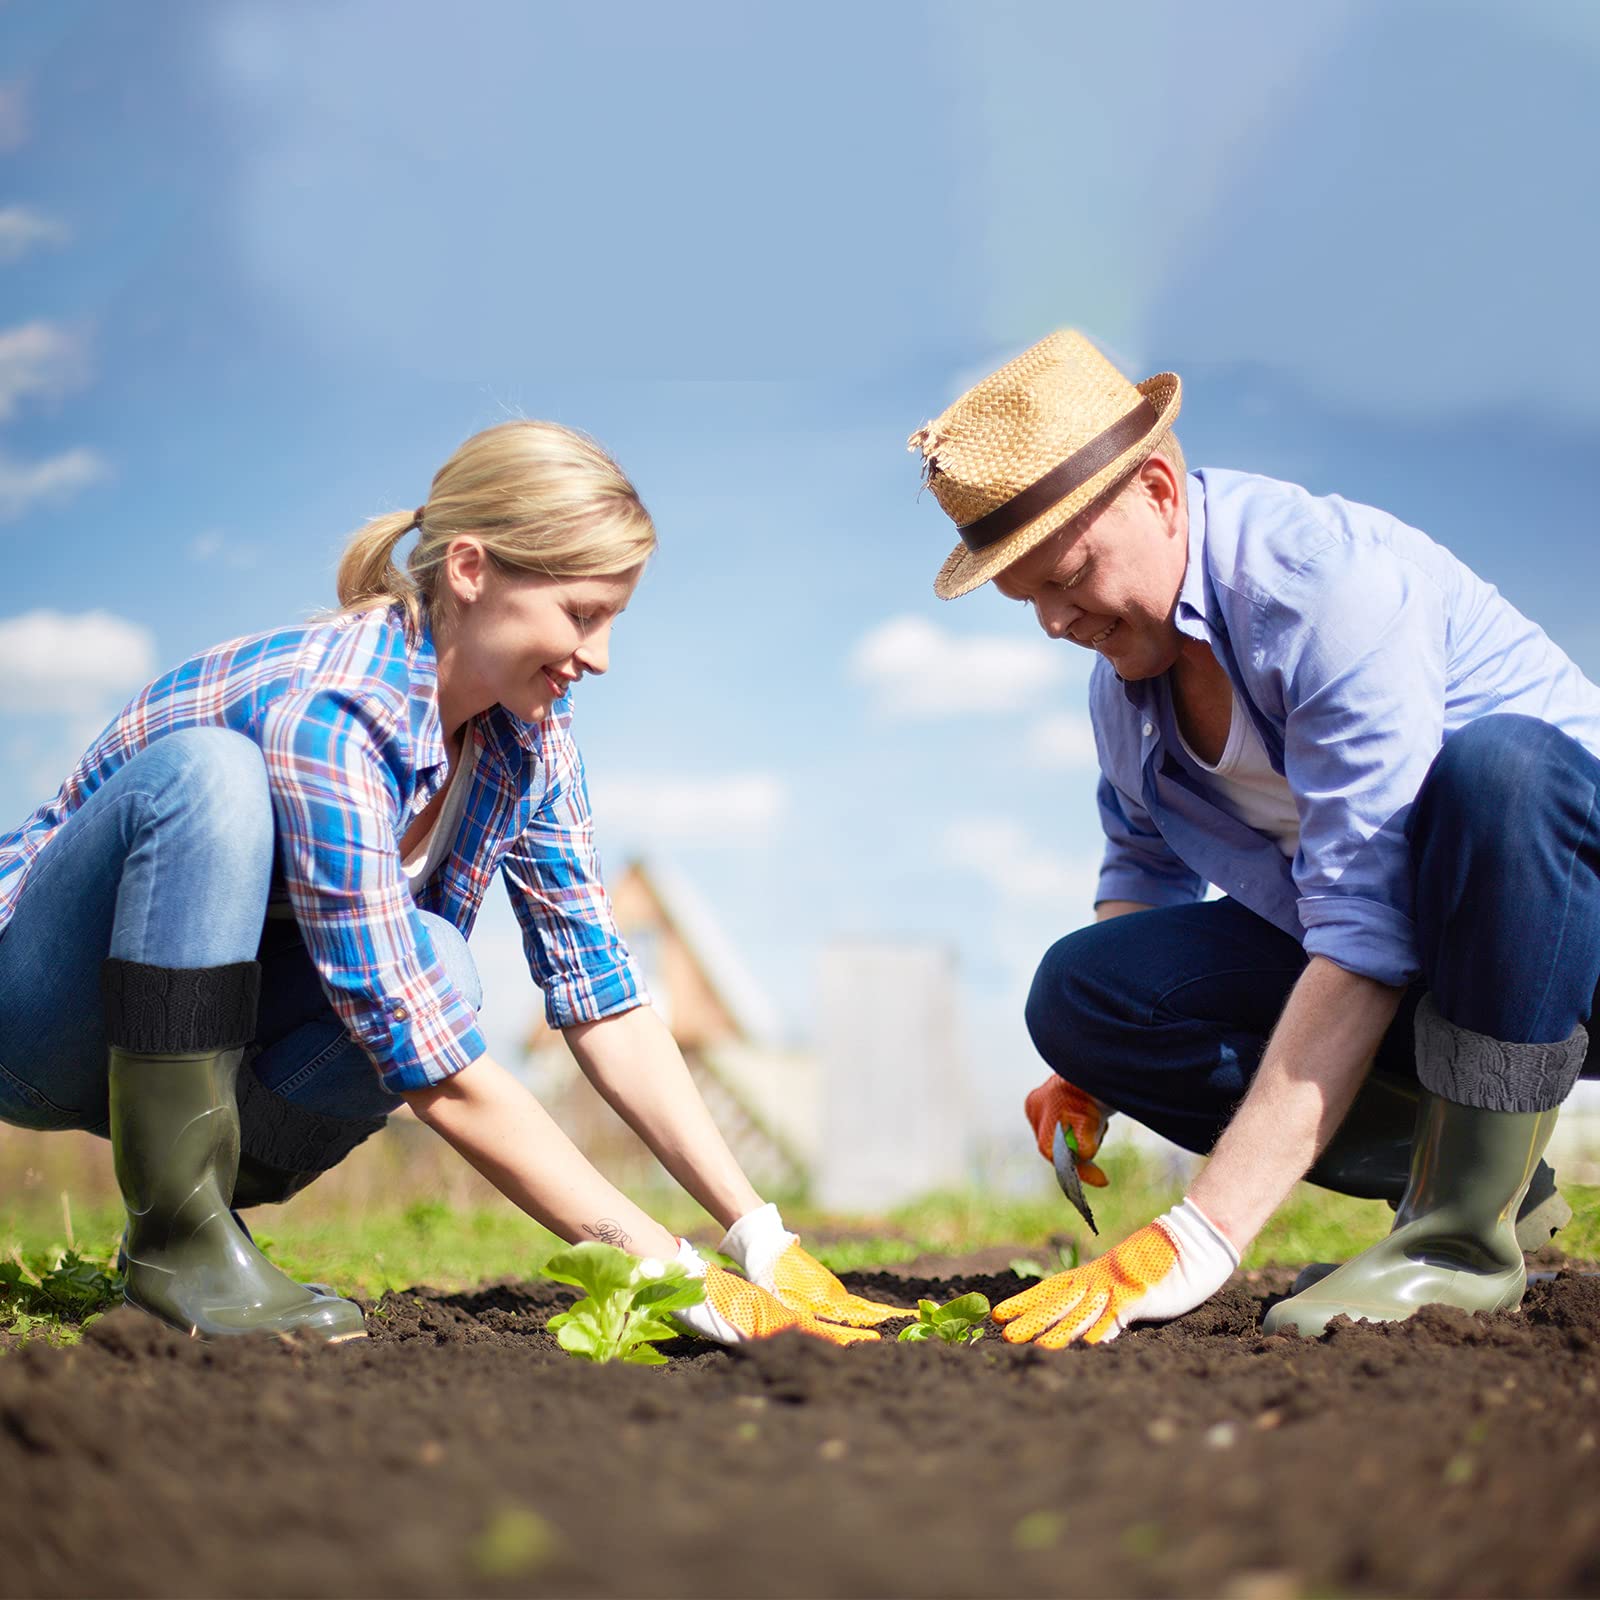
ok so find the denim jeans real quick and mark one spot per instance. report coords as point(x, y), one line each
point(1164, 1014)
point(169, 864)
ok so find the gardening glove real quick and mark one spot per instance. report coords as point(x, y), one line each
point(1057, 1103)
point(736, 1310)
point(1165, 1269)
point(771, 1256)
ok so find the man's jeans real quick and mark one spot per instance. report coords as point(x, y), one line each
point(169, 864)
point(1164, 1014)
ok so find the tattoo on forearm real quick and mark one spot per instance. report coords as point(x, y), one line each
point(608, 1232)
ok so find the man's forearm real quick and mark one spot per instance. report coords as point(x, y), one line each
point(1314, 1063)
point(490, 1119)
point(635, 1063)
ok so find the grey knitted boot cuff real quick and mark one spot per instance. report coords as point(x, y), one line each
point(1471, 1069)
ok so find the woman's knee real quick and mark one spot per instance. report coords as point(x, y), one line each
point(455, 958)
point(211, 782)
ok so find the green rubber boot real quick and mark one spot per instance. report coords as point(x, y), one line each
point(175, 1145)
point(1453, 1242)
point(1369, 1158)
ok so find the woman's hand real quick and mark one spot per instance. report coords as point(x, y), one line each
point(736, 1310)
point(771, 1256)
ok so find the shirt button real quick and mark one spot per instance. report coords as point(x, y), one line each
point(1149, 728)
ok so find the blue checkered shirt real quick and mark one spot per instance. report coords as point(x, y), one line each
point(345, 712)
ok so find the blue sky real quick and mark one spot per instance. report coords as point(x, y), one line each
point(263, 266)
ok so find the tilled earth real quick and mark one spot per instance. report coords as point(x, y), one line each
point(460, 1451)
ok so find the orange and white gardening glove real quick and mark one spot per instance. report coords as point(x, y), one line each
point(1166, 1268)
point(771, 1256)
point(736, 1310)
point(1057, 1103)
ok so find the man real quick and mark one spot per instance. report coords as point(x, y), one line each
point(1391, 775)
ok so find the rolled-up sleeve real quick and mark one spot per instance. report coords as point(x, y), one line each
point(569, 932)
point(333, 768)
point(1138, 864)
point(1362, 673)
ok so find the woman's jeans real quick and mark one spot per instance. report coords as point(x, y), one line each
point(1164, 1014)
point(169, 864)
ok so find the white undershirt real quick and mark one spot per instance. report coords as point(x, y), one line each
point(1245, 784)
point(430, 851)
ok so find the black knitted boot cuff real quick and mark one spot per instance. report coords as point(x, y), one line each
point(176, 1010)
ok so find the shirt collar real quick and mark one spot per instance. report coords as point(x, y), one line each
point(427, 728)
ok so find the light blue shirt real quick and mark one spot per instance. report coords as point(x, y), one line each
point(1357, 645)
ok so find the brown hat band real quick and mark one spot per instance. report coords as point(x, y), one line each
point(1060, 481)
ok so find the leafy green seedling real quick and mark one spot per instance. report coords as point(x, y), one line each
point(625, 1305)
point(1027, 1267)
point(958, 1321)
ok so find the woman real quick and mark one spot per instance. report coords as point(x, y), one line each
point(268, 866)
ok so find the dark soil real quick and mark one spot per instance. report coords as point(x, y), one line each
point(459, 1451)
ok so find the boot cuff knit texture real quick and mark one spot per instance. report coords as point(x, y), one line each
point(1471, 1069)
point(175, 1010)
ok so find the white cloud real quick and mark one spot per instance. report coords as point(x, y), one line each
point(1063, 742)
point(915, 669)
point(50, 662)
point(25, 484)
point(739, 808)
point(1021, 871)
point(21, 229)
point(38, 358)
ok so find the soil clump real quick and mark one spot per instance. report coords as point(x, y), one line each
point(460, 1451)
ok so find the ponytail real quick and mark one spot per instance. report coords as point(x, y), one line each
point(368, 575)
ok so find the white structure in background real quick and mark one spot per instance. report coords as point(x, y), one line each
point(1574, 1149)
point(896, 1117)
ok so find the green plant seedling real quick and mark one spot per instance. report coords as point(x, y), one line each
point(1027, 1267)
point(958, 1321)
point(625, 1306)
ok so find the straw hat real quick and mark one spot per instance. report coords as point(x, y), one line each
point(1022, 453)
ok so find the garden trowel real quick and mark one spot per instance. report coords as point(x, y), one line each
point(1066, 1159)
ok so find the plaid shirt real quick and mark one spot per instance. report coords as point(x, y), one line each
point(346, 714)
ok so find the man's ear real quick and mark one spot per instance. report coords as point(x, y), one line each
point(1159, 479)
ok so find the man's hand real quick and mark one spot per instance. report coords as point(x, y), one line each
point(1165, 1269)
point(771, 1257)
point(1057, 1103)
point(736, 1310)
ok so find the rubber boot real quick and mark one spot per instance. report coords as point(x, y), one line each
point(321, 1289)
point(176, 1041)
point(1544, 1212)
point(1453, 1241)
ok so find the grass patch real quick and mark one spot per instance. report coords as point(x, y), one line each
point(57, 1283)
point(55, 1293)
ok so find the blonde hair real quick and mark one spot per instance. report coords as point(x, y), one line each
point(538, 497)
